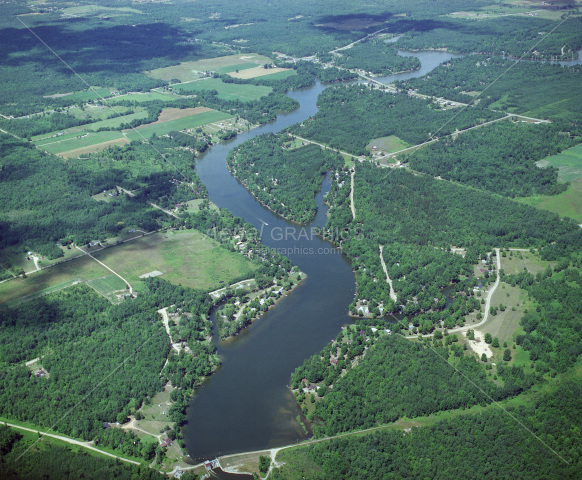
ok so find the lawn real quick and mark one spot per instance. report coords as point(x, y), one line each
point(191, 121)
point(108, 285)
point(189, 258)
point(226, 91)
point(568, 162)
point(187, 71)
point(566, 204)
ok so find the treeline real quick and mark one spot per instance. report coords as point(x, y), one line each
point(82, 340)
point(349, 117)
point(375, 56)
point(479, 445)
point(536, 88)
point(51, 459)
point(509, 35)
point(499, 157)
point(285, 180)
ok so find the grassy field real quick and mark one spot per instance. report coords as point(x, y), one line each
point(568, 162)
point(79, 97)
point(76, 142)
point(143, 97)
point(226, 91)
point(98, 112)
point(164, 127)
point(388, 144)
point(516, 261)
point(278, 74)
point(187, 71)
point(186, 257)
point(108, 286)
point(566, 204)
point(60, 276)
point(189, 258)
point(505, 324)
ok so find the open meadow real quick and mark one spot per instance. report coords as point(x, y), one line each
point(77, 144)
point(189, 258)
point(566, 204)
point(226, 91)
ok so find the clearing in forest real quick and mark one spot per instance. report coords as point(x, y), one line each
point(389, 144)
point(568, 163)
point(566, 204)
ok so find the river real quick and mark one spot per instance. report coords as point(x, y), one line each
point(246, 404)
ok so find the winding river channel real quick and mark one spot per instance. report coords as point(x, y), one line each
point(246, 404)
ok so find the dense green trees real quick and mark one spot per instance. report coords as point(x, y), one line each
point(539, 89)
point(510, 35)
point(375, 56)
point(499, 158)
point(481, 445)
point(114, 353)
point(51, 459)
point(284, 180)
point(349, 117)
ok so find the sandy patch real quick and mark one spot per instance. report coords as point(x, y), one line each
point(93, 148)
point(478, 345)
point(257, 72)
point(155, 273)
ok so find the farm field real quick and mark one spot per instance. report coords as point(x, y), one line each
point(198, 117)
point(226, 91)
point(566, 204)
point(568, 162)
point(98, 112)
point(85, 143)
point(117, 122)
point(186, 257)
point(187, 71)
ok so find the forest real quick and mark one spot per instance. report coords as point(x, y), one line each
point(411, 215)
point(508, 35)
point(375, 56)
point(396, 378)
point(285, 180)
point(69, 327)
point(58, 207)
point(539, 89)
point(25, 457)
point(350, 116)
point(487, 444)
point(499, 158)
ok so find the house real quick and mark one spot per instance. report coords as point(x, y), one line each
point(166, 443)
point(333, 361)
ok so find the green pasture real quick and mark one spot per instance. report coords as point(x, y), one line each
point(72, 143)
point(226, 91)
point(568, 162)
